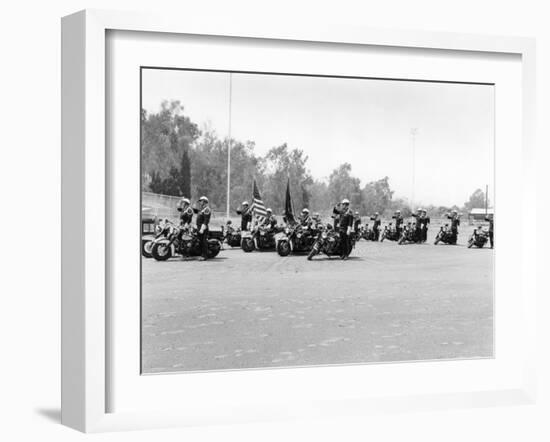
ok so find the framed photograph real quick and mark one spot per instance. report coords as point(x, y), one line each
point(267, 222)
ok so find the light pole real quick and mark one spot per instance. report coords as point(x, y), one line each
point(414, 132)
point(229, 147)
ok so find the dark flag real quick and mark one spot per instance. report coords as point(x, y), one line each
point(258, 207)
point(289, 213)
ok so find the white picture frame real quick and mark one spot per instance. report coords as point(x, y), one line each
point(85, 312)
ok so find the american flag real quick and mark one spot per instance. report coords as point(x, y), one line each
point(258, 207)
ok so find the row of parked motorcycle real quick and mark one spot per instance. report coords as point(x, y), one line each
point(411, 235)
point(171, 239)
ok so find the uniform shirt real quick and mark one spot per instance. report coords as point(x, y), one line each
point(186, 215)
point(376, 220)
point(346, 220)
point(246, 217)
point(270, 221)
point(203, 217)
point(305, 220)
point(425, 220)
point(398, 221)
point(356, 224)
point(455, 221)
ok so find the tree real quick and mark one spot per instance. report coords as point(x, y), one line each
point(477, 200)
point(278, 166)
point(342, 185)
point(376, 196)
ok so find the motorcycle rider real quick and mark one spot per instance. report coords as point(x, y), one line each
point(424, 222)
point(491, 219)
point(376, 226)
point(304, 219)
point(316, 223)
point(246, 216)
point(203, 219)
point(455, 222)
point(398, 222)
point(269, 221)
point(345, 226)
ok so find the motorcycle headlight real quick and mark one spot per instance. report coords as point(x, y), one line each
point(287, 230)
point(324, 235)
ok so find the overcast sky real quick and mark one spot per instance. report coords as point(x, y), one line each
point(364, 122)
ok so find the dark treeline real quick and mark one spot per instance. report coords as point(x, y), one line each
point(179, 159)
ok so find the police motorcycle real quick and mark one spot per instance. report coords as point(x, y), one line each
point(478, 238)
point(390, 233)
point(184, 241)
point(327, 242)
point(410, 234)
point(446, 235)
point(367, 233)
point(231, 236)
point(295, 238)
point(260, 238)
point(162, 230)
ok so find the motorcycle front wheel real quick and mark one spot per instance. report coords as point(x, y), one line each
point(247, 245)
point(146, 249)
point(283, 248)
point(312, 253)
point(161, 251)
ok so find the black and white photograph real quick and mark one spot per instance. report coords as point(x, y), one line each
point(294, 220)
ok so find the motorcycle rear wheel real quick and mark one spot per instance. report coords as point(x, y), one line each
point(312, 253)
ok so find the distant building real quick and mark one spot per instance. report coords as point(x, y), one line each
point(478, 214)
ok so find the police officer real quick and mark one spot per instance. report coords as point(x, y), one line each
point(203, 219)
point(491, 219)
point(424, 222)
point(455, 222)
point(305, 219)
point(246, 216)
point(186, 212)
point(376, 226)
point(270, 221)
point(345, 226)
point(417, 225)
point(398, 222)
point(316, 222)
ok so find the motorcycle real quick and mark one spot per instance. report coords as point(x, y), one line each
point(327, 242)
point(479, 238)
point(368, 234)
point(409, 235)
point(162, 231)
point(232, 236)
point(184, 242)
point(389, 233)
point(260, 238)
point(295, 239)
point(446, 235)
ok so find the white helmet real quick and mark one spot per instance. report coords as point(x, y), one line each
point(203, 198)
point(245, 203)
point(304, 210)
point(185, 201)
point(269, 210)
point(345, 201)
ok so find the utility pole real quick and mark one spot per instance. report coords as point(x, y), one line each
point(414, 132)
point(228, 203)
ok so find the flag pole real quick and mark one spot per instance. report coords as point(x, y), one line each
point(229, 147)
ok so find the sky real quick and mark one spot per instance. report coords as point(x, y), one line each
point(368, 123)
